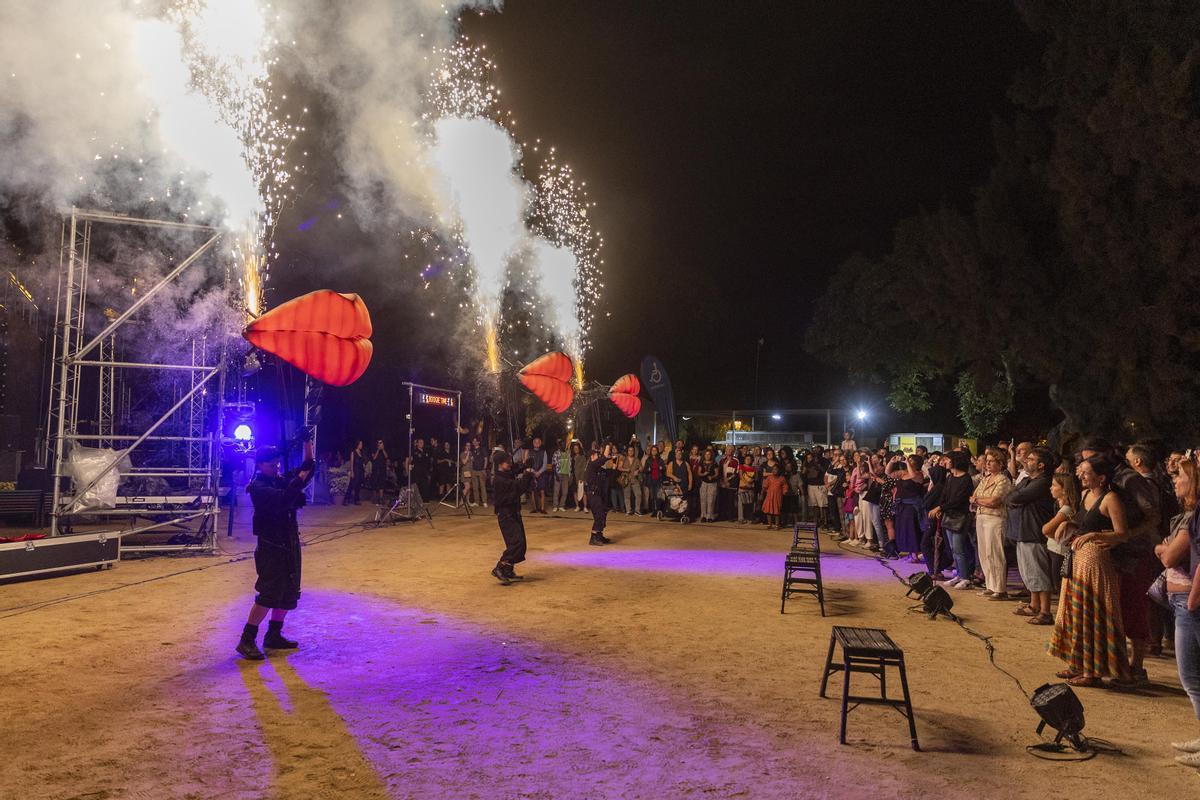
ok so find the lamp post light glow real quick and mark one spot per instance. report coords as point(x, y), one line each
point(862, 415)
point(776, 417)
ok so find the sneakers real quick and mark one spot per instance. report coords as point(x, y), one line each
point(1189, 759)
point(962, 583)
point(1187, 747)
point(596, 541)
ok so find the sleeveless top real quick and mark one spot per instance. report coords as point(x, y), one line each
point(1091, 520)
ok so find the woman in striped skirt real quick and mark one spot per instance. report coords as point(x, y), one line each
point(1088, 633)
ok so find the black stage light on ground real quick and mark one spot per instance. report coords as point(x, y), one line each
point(918, 583)
point(1059, 708)
point(937, 601)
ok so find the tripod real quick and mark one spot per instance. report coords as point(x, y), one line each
point(407, 498)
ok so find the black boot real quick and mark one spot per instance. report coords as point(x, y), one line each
point(598, 539)
point(501, 575)
point(274, 639)
point(511, 573)
point(247, 648)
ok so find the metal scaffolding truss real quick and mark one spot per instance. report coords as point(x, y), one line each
point(168, 483)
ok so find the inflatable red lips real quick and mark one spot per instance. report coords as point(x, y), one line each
point(624, 394)
point(549, 378)
point(324, 334)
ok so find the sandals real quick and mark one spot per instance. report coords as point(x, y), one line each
point(1066, 674)
point(1024, 610)
point(1084, 681)
point(1042, 619)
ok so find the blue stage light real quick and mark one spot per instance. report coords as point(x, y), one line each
point(243, 433)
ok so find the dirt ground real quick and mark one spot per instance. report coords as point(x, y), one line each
point(657, 667)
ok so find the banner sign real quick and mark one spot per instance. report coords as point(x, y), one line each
point(432, 399)
point(658, 385)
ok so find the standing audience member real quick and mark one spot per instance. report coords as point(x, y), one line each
point(708, 474)
point(654, 472)
point(909, 492)
point(358, 474)
point(1089, 634)
point(952, 514)
point(774, 485)
point(990, 515)
point(1180, 554)
point(630, 468)
point(1030, 507)
point(562, 476)
point(1134, 558)
point(1059, 531)
point(579, 464)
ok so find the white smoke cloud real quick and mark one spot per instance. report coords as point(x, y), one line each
point(373, 59)
point(71, 99)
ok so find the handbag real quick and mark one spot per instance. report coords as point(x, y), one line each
point(1158, 591)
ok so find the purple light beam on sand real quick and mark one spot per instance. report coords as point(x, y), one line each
point(732, 563)
point(437, 707)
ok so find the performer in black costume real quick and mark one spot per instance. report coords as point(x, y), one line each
point(596, 485)
point(507, 489)
point(277, 554)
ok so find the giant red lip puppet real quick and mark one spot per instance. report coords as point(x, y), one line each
point(624, 394)
point(324, 334)
point(549, 378)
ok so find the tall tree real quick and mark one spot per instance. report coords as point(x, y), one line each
point(1073, 267)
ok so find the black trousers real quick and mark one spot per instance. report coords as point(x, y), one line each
point(353, 490)
point(599, 507)
point(513, 531)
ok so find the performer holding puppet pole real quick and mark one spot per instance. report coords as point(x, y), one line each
point(277, 554)
point(506, 499)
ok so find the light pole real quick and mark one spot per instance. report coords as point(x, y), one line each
point(757, 353)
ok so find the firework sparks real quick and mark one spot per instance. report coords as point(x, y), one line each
point(497, 212)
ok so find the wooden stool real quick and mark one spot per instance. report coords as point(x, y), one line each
point(802, 566)
point(868, 650)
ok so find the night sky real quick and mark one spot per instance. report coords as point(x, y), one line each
point(738, 152)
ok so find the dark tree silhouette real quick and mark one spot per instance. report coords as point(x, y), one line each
point(1075, 265)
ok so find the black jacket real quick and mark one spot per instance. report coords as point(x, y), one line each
point(1030, 506)
point(276, 500)
point(507, 489)
point(595, 478)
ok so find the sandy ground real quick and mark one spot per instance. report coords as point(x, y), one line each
point(658, 667)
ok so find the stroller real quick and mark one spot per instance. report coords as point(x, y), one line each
point(675, 504)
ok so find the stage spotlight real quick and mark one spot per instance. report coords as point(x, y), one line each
point(1059, 708)
point(243, 433)
point(777, 417)
point(936, 601)
point(919, 583)
point(861, 415)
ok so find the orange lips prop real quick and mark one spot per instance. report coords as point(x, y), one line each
point(624, 394)
point(548, 377)
point(324, 334)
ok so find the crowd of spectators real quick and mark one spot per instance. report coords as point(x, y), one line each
point(1109, 532)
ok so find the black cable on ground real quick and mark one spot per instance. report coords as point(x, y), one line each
point(985, 638)
point(1047, 751)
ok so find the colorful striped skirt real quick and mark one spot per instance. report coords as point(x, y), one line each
point(1088, 633)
